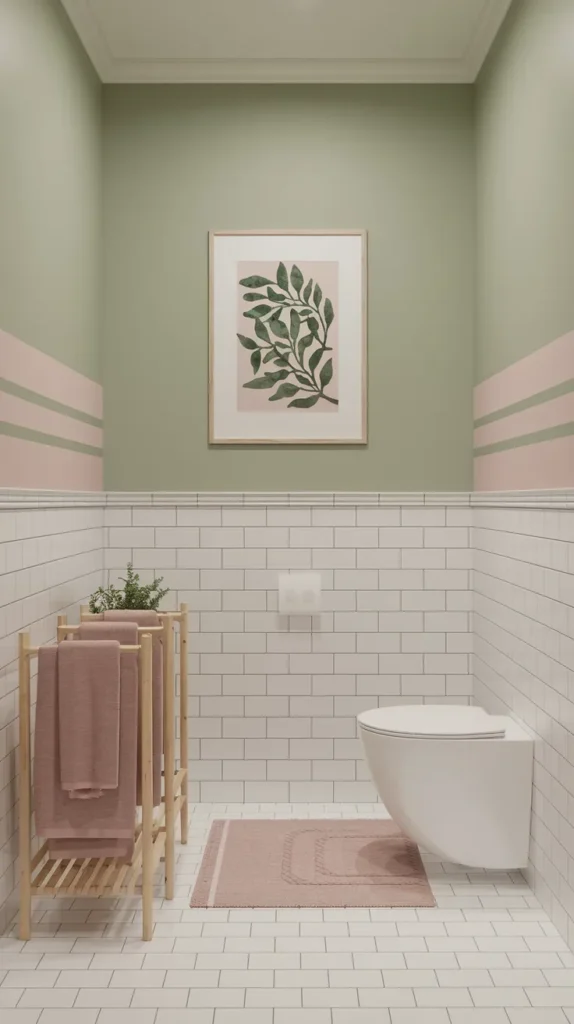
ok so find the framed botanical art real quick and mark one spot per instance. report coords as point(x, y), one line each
point(287, 337)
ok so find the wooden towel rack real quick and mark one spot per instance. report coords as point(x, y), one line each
point(155, 834)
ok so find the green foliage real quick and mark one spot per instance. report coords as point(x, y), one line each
point(134, 595)
point(255, 281)
point(277, 329)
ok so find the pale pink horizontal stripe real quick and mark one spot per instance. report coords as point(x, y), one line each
point(29, 368)
point(545, 368)
point(34, 417)
point(549, 464)
point(41, 466)
point(539, 417)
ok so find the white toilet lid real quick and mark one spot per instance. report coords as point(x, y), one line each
point(433, 721)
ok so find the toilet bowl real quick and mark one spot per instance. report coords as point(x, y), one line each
point(456, 780)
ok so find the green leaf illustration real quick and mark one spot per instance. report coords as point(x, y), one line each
point(284, 391)
point(303, 403)
point(247, 342)
point(295, 325)
point(279, 329)
point(258, 311)
point(261, 331)
point(255, 281)
point(303, 344)
point(277, 375)
point(313, 325)
point(260, 383)
point(296, 278)
point(326, 373)
point(314, 359)
point(282, 279)
point(281, 341)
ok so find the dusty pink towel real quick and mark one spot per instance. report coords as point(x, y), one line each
point(89, 717)
point(149, 618)
point(86, 828)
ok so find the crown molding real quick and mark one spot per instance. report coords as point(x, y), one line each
point(485, 34)
point(86, 24)
point(259, 71)
point(114, 70)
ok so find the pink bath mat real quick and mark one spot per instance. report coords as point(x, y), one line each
point(286, 863)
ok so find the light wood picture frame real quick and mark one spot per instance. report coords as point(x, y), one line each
point(288, 337)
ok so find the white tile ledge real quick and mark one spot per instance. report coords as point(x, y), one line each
point(22, 499)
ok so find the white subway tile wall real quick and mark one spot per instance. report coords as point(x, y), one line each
point(51, 559)
point(524, 665)
point(274, 699)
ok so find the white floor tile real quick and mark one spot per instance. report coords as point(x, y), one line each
point(124, 1017)
point(446, 997)
point(30, 979)
point(20, 1016)
point(361, 1016)
point(271, 997)
point(389, 997)
point(211, 998)
point(10, 997)
point(42, 998)
point(551, 996)
point(244, 1016)
point(330, 997)
point(497, 996)
point(479, 1016)
point(189, 1016)
point(304, 1016)
point(111, 998)
point(71, 1017)
point(419, 1016)
point(156, 997)
point(532, 1015)
point(487, 954)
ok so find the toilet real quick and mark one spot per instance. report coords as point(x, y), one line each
point(457, 780)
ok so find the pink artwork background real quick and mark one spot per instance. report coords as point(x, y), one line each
point(326, 274)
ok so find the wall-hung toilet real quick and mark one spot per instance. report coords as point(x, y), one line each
point(456, 780)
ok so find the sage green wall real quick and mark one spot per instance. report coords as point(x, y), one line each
point(50, 185)
point(525, 184)
point(398, 161)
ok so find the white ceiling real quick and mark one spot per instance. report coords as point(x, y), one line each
point(287, 40)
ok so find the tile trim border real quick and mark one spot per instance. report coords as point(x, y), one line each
point(11, 498)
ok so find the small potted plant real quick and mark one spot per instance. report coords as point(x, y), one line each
point(134, 595)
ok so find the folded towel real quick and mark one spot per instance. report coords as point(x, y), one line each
point(109, 822)
point(149, 618)
point(89, 717)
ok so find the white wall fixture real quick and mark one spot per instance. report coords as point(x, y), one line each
point(299, 593)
